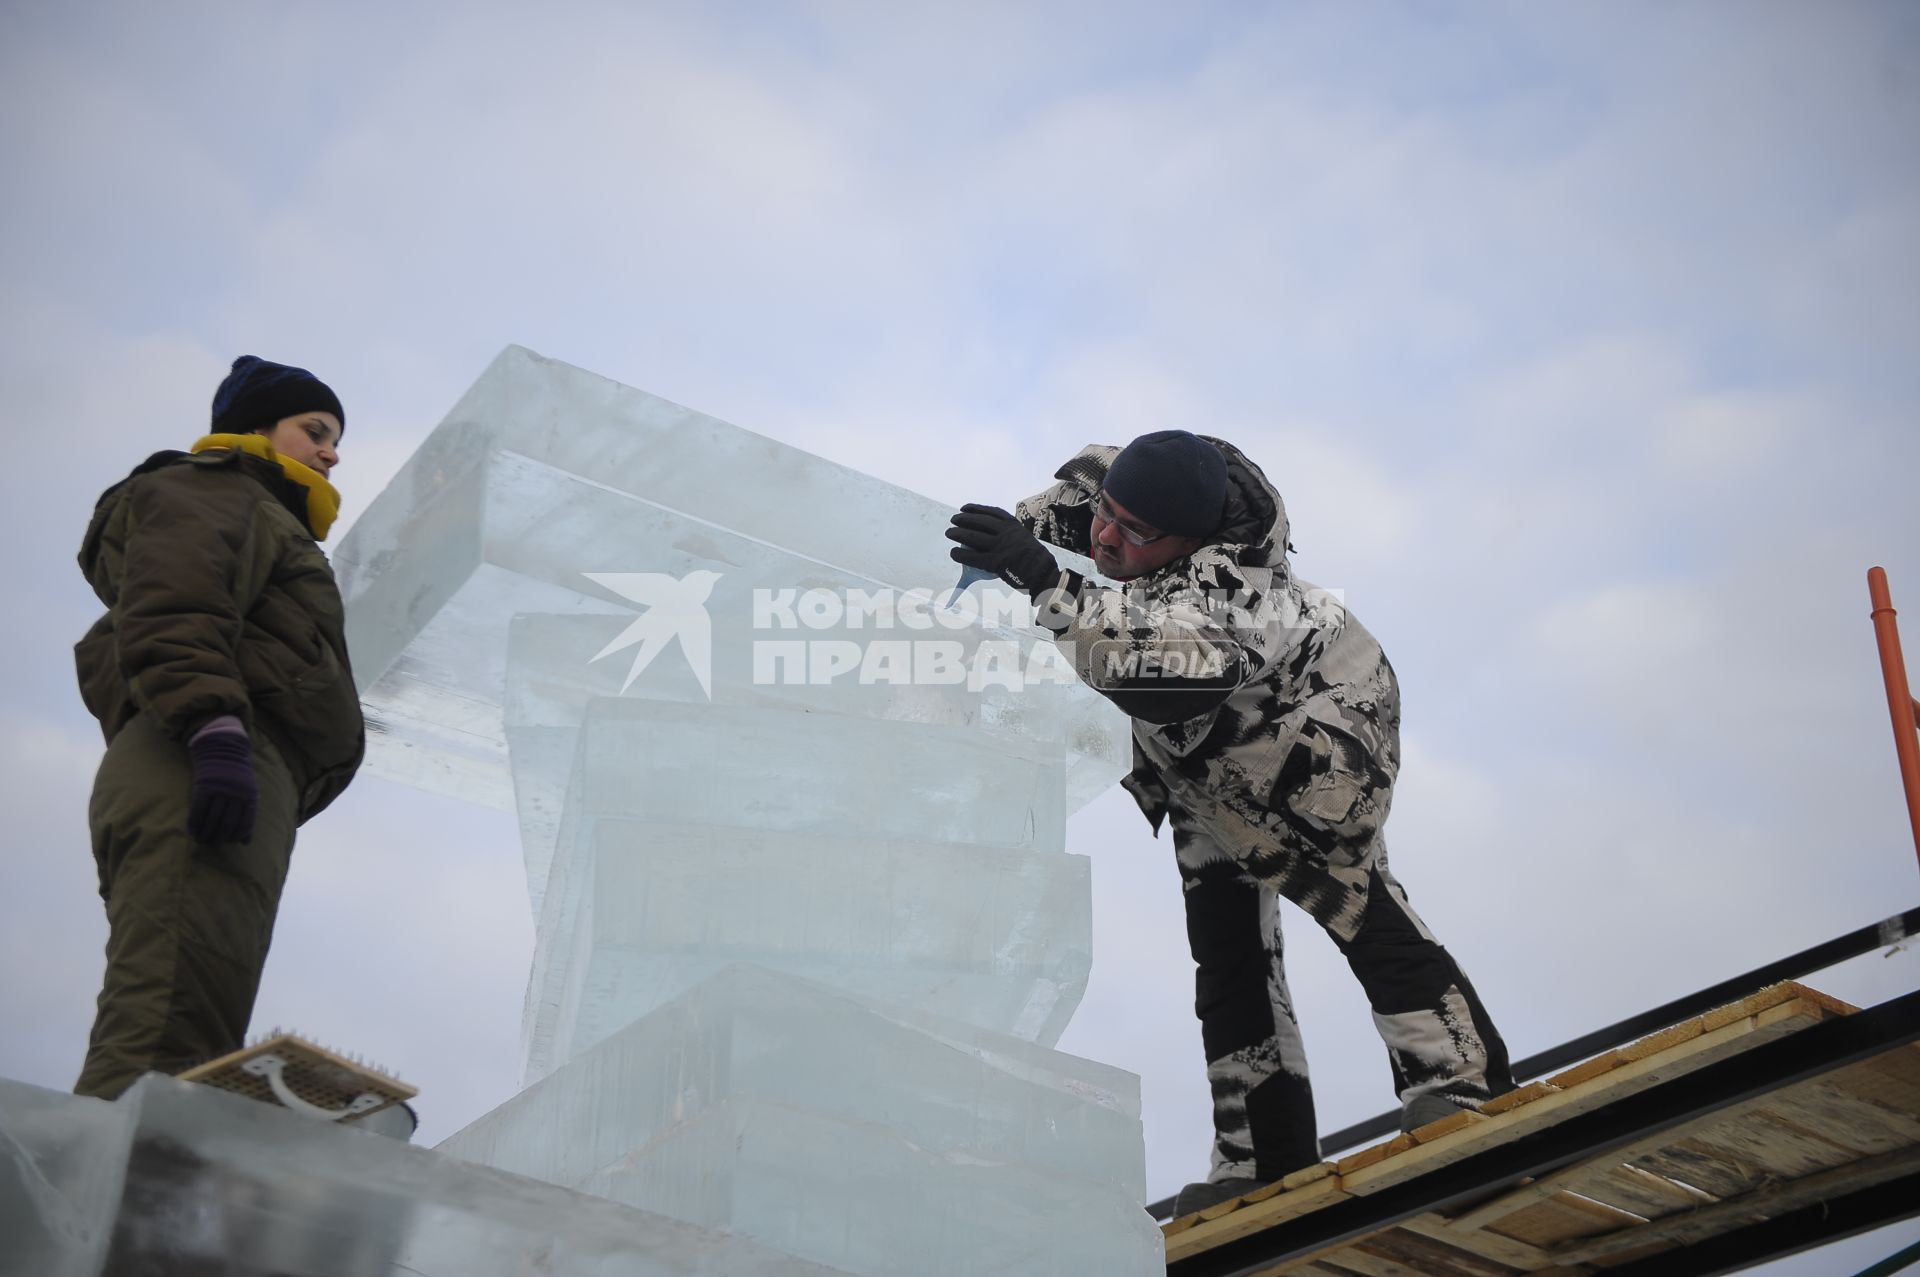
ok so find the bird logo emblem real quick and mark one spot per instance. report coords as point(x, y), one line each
point(675, 608)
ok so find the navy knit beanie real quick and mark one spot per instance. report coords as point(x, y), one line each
point(258, 393)
point(1172, 479)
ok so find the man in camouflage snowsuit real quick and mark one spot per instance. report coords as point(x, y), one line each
point(1266, 735)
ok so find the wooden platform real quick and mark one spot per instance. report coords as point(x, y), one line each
point(1846, 1130)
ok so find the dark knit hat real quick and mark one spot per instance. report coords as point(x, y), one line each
point(1173, 480)
point(257, 393)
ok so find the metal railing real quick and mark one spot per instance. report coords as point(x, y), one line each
point(1879, 935)
point(1815, 1051)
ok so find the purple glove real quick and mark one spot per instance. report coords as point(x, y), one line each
point(225, 796)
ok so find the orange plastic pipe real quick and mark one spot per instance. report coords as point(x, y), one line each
point(1900, 702)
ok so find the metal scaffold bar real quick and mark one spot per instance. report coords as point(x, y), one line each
point(1879, 935)
point(1900, 703)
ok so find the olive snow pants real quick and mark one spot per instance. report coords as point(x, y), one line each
point(1440, 1040)
point(188, 924)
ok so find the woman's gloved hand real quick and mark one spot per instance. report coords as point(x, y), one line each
point(225, 795)
point(992, 539)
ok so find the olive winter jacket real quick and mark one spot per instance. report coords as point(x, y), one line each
point(220, 601)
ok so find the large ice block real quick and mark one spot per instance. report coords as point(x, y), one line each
point(552, 675)
point(175, 1177)
point(544, 472)
point(735, 1106)
point(62, 1168)
point(949, 883)
point(888, 1206)
point(795, 771)
point(995, 938)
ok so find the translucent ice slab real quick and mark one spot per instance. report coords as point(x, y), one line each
point(817, 773)
point(552, 675)
point(636, 443)
point(951, 886)
point(62, 1165)
point(813, 760)
point(180, 1178)
point(735, 1105)
point(995, 938)
point(751, 1033)
point(544, 472)
point(884, 1205)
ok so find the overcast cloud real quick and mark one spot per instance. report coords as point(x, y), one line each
point(1583, 340)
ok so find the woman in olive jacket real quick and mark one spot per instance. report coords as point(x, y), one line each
point(219, 675)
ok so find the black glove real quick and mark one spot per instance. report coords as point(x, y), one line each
point(991, 538)
point(225, 796)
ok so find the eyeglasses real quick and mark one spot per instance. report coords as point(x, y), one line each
point(1103, 510)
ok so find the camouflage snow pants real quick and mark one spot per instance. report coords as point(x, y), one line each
point(1439, 1038)
point(187, 925)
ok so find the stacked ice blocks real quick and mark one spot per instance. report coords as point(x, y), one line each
point(806, 929)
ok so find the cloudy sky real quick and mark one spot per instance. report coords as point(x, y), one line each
point(1583, 340)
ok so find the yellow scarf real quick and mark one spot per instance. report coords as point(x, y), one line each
point(323, 500)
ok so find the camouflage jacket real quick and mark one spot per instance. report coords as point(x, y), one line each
point(1262, 708)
